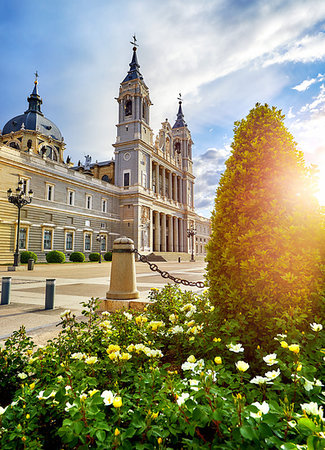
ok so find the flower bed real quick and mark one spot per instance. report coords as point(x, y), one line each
point(166, 378)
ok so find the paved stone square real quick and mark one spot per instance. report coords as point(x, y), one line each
point(75, 283)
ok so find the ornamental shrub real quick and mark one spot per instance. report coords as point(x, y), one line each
point(25, 256)
point(77, 257)
point(55, 257)
point(266, 250)
point(94, 256)
point(108, 256)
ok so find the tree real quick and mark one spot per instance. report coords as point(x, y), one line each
point(266, 251)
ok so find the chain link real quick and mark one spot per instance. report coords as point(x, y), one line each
point(165, 274)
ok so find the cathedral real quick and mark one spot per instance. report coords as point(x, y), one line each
point(145, 193)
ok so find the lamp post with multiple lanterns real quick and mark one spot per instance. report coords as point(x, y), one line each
point(19, 199)
point(99, 239)
point(191, 232)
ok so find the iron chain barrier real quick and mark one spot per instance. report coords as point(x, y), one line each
point(165, 274)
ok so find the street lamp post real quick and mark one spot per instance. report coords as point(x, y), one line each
point(191, 232)
point(19, 199)
point(99, 239)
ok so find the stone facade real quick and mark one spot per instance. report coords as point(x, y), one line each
point(146, 193)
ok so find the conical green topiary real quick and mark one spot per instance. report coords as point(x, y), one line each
point(265, 255)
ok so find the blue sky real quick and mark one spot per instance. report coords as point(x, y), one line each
point(223, 55)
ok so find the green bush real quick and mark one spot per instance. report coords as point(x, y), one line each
point(108, 256)
point(129, 380)
point(77, 257)
point(94, 256)
point(25, 256)
point(266, 251)
point(55, 257)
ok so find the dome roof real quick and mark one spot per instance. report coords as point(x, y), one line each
point(33, 119)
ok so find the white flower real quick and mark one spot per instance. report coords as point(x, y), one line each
point(194, 384)
point(242, 366)
point(312, 408)
point(259, 380)
point(272, 374)
point(22, 375)
point(316, 326)
point(108, 397)
point(2, 410)
point(236, 348)
point(68, 406)
point(182, 398)
point(177, 329)
point(91, 360)
point(105, 313)
point(262, 409)
point(41, 396)
point(172, 318)
point(270, 359)
point(78, 355)
point(127, 315)
point(65, 313)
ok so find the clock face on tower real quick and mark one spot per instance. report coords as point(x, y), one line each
point(126, 156)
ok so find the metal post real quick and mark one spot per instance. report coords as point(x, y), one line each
point(5, 290)
point(16, 255)
point(49, 293)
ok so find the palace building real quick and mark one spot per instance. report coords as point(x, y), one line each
point(146, 192)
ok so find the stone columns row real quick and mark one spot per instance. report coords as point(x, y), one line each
point(167, 184)
point(169, 233)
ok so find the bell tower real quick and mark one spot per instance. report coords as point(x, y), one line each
point(134, 135)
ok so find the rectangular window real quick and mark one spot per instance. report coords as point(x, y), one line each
point(144, 179)
point(103, 244)
point(69, 241)
point(87, 223)
point(25, 185)
point(87, 243)
point(126, 179)
point(71, 198)
point(88, 201)
point(104, 206)
point(50, 192)
point(103, 225)
point(47, 239)
point(22, 238)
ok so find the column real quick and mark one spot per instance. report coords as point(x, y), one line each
point(176, 243)
point(180, 235)
point(175, 187)
point(170, 185)
point(157, 232)
point(163, 232)
point(151, 230)
point(180, 190)
point(170, 234)
point(157, 178)
point(163, 177)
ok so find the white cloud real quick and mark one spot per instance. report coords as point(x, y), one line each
point(304, 85)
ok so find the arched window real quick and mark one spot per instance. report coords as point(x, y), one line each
point(106, 178)
point(14, 145)
point(128, 108)
point(177, 147)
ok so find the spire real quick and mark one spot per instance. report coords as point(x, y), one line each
point(134, 71)
point(34, 100)
point(180, 122)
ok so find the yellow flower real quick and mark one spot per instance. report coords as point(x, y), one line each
point(113, 348)
point(284, 344)
point(216, 340)
point(191, 359)
point(91, 360)
point(23, 438)
point(117, 402)
point(116, 432)
point(27, 416)
point(112, 356)
point(294, 348)
point(242, 366)
point(154, 415)
point(239, 396)
point(93, 392)
point(299, 367)
point(159, 440)
point(218, 360)
point(32, 385)
point(258, 347)
point(125, 356)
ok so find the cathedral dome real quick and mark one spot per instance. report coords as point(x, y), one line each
point(33, 119)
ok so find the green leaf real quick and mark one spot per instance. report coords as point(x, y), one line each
point(308, 423)
point(247, 432)
point(101, 435)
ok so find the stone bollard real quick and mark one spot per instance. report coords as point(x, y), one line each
point(123, 292)
point(123, 284)
point(5, 290)
point(49, 293)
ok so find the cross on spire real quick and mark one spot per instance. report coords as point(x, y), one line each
point(179, 97)
point(134, 42)
point(36, 77)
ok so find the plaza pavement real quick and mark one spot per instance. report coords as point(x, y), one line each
point(75, 283)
